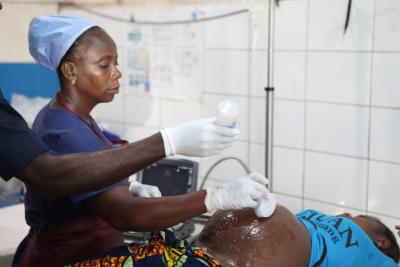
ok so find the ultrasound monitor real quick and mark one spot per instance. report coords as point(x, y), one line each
point(172, 176)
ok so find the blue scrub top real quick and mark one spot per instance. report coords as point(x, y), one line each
point(64, 133)
point(340, 242)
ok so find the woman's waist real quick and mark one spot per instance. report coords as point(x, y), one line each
point(42, 214)
point(79, 226)
point(70, 242)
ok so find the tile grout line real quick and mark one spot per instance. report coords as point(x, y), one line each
point(303, 189)
point(371, 87)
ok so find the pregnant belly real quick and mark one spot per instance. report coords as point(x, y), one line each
point(240, 239)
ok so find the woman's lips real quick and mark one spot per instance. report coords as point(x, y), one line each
point(114, 90)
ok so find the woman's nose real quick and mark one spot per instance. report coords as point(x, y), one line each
point(117, 73)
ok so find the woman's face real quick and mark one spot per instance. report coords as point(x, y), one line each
point(96, 61)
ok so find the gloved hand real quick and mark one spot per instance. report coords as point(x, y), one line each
point(243, 192)
point(144, 190)
point(266, 206)
point(198, 138)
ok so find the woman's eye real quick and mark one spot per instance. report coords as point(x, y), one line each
point(104, 66)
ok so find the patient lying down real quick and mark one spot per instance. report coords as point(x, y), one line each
point(309, 238)
point(240, 239)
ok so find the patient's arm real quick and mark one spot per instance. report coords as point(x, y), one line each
point(238, 238)
point(125, 212)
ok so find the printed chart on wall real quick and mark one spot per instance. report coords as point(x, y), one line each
point(164, 60)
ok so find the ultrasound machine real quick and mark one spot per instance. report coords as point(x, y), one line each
point(173, 177)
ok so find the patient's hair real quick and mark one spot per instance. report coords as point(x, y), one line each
point(393, 251)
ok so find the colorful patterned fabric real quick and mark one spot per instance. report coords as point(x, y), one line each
point(163, 249)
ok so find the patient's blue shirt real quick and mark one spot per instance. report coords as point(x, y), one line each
point(64, 133)
point(340, 242)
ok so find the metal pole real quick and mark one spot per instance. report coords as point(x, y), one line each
point(270, 96)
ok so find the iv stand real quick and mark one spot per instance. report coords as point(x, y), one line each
point(270, 96)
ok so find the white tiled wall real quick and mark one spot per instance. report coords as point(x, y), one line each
point(340, 129)
point(340, 77)
point(336, 179)
point(226, 72)
point(386, 80)
point(236, 29)
point(288, 169)
point(290, 74)
point(289, 123)
point(384, 182)
point(337, 100)
point(326, 25)
point(386, 32)
point(291, 33)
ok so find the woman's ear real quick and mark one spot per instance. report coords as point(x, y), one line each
point(68, 70)
point(383, 243)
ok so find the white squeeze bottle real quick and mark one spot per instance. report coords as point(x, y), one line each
point(228, 111)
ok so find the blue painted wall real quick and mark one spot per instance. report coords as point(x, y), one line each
point(29, 79)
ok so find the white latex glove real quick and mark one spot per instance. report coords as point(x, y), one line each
point(266, 206)
point(237, 194)
point(144, 190)
point(198, 138)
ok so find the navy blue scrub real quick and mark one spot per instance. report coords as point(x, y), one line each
point(66, 229)
point(19, 146)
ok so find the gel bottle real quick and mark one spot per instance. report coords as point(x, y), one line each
point(228, 111)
